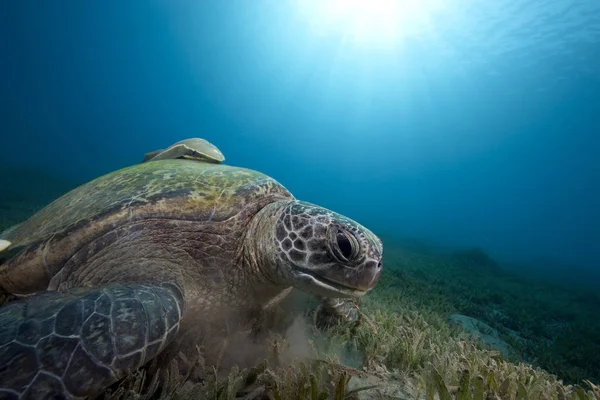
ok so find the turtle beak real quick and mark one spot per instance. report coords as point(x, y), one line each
point(355, 281)
point(367, 279)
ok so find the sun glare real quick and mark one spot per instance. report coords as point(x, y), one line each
point(370, 22)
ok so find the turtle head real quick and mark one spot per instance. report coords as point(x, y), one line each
point(324, 253)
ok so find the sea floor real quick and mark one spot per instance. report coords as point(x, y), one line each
point(452, 322)
point(25, 191)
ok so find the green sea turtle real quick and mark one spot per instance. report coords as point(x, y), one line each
point(193, 149)
point(128, 266)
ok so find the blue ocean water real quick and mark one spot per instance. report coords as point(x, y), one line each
point(477, 123)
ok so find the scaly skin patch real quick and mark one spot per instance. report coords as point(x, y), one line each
point(313, 241)
point(78, 343)
point(298, 243)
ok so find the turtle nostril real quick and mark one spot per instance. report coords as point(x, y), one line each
point(379, 265)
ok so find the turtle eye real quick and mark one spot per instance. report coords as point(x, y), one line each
point(346, 246)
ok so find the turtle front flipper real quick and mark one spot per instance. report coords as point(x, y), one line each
point(335, 311)
point(77, 343)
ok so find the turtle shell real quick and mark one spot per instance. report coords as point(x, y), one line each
point(169, 189)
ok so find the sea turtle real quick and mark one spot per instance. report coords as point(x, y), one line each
point(194, 149)
point(198, 149)
point(124, 268)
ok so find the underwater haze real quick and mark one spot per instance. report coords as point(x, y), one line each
point(461, 122)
